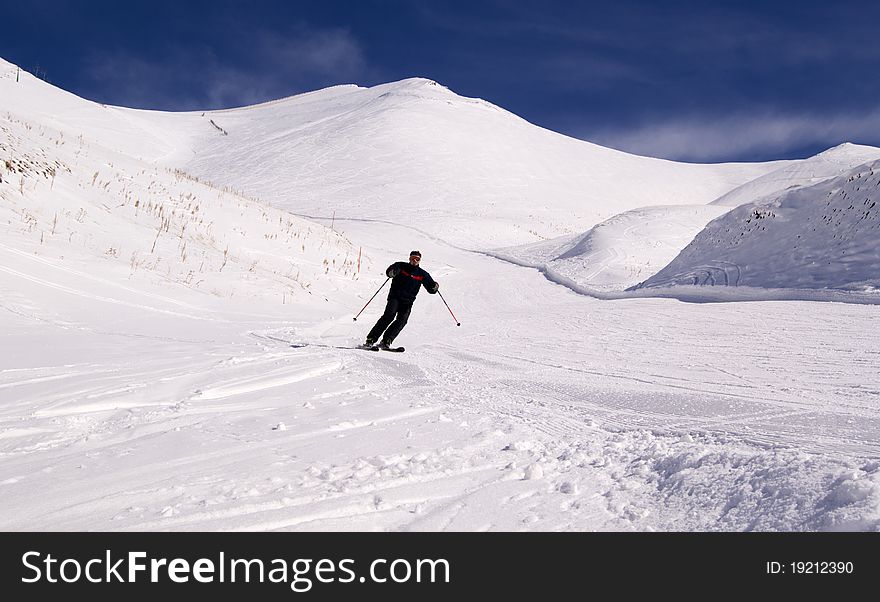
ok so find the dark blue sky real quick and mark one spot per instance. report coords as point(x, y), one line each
point(700, 81)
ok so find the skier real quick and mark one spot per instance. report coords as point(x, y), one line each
point(407, 280)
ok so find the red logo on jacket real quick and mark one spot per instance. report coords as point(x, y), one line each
point(405, 273)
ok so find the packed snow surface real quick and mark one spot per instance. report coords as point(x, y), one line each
point(178, 350)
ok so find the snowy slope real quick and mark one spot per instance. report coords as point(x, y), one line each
point(416, 154)
point(176, 352)
point(829, 164)
point(818, 237)
point(619, 252)
point(632, 246)
point(70, 197)
point(61, 111)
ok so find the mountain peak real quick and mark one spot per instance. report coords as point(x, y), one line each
point(419, 81)
point(848, 149)
point(417, 85)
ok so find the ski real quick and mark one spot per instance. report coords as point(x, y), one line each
point(377, 348)
point(299, 345)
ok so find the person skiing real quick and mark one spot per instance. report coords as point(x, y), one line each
point(408, 278)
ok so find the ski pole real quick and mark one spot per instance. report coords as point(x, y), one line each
point(457, 323)
point(371, 299)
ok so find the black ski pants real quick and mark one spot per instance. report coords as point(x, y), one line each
point(395, 310)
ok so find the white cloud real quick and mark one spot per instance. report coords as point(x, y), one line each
point(719, 138)
point(272, 65)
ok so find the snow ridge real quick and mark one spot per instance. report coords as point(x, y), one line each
point(818, 237)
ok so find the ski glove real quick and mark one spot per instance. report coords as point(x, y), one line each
point(434, 288)
point(392, 272)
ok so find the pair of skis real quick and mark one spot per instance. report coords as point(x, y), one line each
point(377, 348)
point(366, 347)
point(297, 345)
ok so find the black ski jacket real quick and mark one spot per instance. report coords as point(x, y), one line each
point(407, 279)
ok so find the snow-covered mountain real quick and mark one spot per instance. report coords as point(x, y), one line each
point(417, 154)
point(178, 345)
point(813, 170)
point(817, 237)
point(631, 247)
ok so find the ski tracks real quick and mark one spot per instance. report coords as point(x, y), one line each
point(441, 468)
point(259, 435)
point(654, 453)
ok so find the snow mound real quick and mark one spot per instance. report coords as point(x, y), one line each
point(745, 489)
point(819, 237)
point(632, 246)
point(818, 168)
point(619, 252)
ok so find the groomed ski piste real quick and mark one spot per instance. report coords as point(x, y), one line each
point(178, 350)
